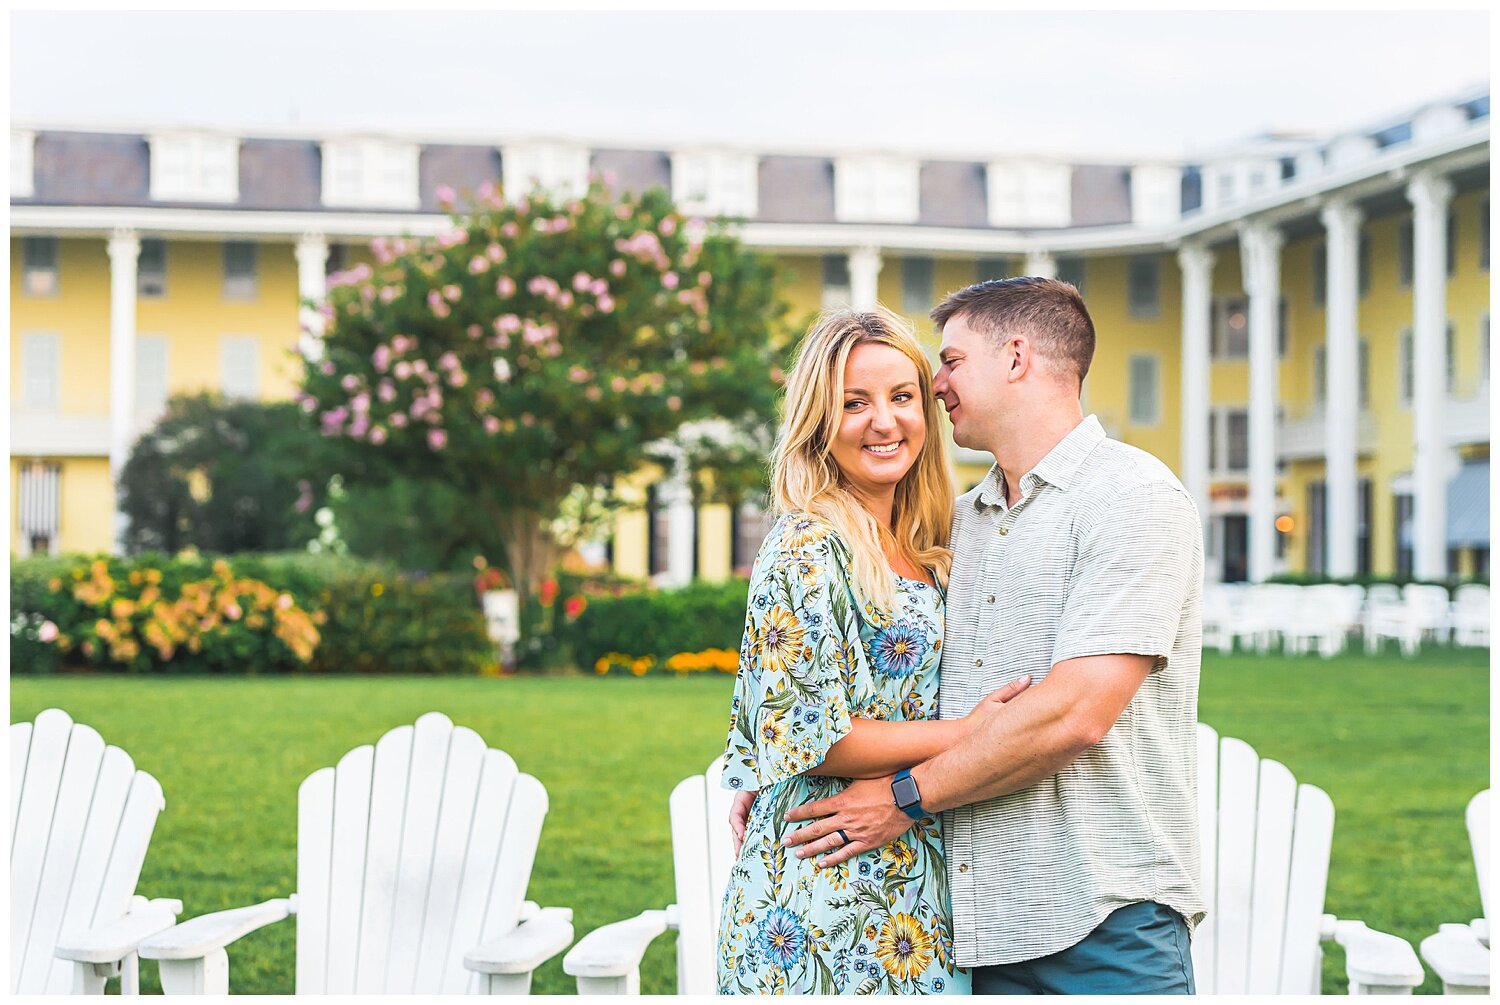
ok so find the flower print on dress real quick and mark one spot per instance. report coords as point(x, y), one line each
point(782, 938)
point(779, 639)
point(899, 649)
point(904, 948)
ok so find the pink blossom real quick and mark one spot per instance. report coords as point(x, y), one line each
point(457, 378)
point(674, 403)
point(495, 253)
point(508, 229)
point(623, 211)
point(565, 299)
point(491, 425)
point(386, 391)
point(419, 407)
point(592, 393)
point(403, 370)
point(380, 247)
point(606, 304)
point(668, 226)
point(704, 279)
point(599, 287)
point(419, 366)
point(527, 419)
point(233, 612)
point(669, 280)
point(552, 349)
point(543, 286)
point(309, 405)
point(377, 435)
point(359, 425)
point(437, 439)
point(46, 633)
point(360, 402)
point(487, 191)
point(389, 293)
point(578, 374)
point(505, 287)
point(284, 602)
point(445, 195)
point(617, 267)
point(449, 238)
point(617, 385)
point(451, 293)
point(398, 419)
point(478, 264)
point(349, 382)
point(381, 358)
point(326, 367)
point(582, 281)
point(537, 334)
point(401, 343)
point(507, 324)
point(448, 360)
point(484, 397)
point(523, 206)
point(475, 332)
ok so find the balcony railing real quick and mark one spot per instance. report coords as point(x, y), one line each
point(1303, 436)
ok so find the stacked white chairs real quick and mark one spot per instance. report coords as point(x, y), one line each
point(1470, 615)
point(1266, 843)
point(1321, 619)
point(81, 819)
point(1218, 610)
point(413, 858)
point(1460, 954)
point(1421, 614)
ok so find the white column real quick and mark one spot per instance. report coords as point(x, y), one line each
point(1260, 261)
point(1341, 408)
point(1197, 264)
point(864, 278)
point(312, 287)
point(1041, 263)
point(676, 496)
point(1429, 195)
point(124, 258)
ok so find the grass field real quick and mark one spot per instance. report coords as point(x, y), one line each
point(1400, 745)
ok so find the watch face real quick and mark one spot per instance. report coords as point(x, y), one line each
point(905, 791)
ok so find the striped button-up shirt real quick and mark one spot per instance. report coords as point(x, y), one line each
point(1101, 553)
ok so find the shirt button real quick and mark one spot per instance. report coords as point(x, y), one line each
point(979, 663)
point(990, 599)
point(1004, 531)
point(963, 867)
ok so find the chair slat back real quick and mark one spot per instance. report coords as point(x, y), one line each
point(697, 899)
point(720, 839)
point(410, 853)
point(82, 820)
point(1478, 818)
point(1266, 843)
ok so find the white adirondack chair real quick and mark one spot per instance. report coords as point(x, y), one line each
point(81, 819)
point(413, 858)
point(1470, 615)
point(1460, 954)
point(1322, 619)
point(1265, 882)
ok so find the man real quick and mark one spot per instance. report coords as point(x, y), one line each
point(1070, 829)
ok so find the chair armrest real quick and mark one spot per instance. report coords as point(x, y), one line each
point(202, 935)
point(114, 940)
point(525, 947)
point(1377, 960)
point(1481, 929)
point(616, 949)
point(1457, 957)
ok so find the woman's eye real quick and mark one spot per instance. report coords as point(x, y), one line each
point(904, 396)
point(852, 403)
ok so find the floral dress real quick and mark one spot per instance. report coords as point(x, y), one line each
point(810, 661)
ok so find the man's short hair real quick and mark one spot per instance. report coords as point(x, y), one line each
point(1050, 311)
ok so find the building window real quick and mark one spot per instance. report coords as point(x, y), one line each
point(1320, 374)
point(716, 183)
point(1155, 195)
point(150, 378)
point(22, 151)
point(991, 268)
point(751, 525)
point(39, 266)
point(1213, 440)
point(1362, 545)
point(876, 190)
point(1237, 449)
point(1029, 194)
point(151, 268)
point(198, 168)
point(1317, 544)
point(1320, 275)
point(1231, 338)
point(559, 169)
point(1144, 282)
point(1408, 375)
point(239, 270)
point(40, 370)
point(1364, 265)
point(1071, 270)
point(239, 366)
point(1403, 534)
point(338, 259)
point(658, 525)
point(40, 508)
point(1405, 252)
point(836, 284)
point(1145, 390)
point(917, 277)
point(370, 173)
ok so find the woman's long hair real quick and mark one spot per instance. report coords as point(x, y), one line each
point(804, 477)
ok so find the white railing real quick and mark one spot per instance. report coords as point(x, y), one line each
point(1304, 436)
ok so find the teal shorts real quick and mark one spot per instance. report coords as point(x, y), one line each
point(1140, 949)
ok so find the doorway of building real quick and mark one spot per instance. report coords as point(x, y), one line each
point(1236, 548)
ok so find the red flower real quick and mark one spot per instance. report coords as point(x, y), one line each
point(548, 592)
point(574, 606)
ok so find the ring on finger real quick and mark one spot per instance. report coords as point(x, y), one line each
point(843, 837)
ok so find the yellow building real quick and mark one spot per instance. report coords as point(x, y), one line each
point(1298, 326)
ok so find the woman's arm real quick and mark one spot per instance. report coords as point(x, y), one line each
point(874, 748)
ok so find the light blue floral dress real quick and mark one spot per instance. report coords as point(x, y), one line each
point(880, 922)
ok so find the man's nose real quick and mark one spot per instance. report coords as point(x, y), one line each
point(940, 382)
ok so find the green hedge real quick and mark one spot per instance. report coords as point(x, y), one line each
point(662, 623)
point(255, 613)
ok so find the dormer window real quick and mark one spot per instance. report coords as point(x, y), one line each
point(1029, 193)
point(876, 190)
point(1155, 194)
point(716, 182)
point(22, 145)
point(561, 169)
point(1437, 122)
point(1230, 182)
point(195, 167)
point(370, 174)
point(1350, 150)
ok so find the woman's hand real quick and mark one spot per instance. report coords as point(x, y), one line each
point(739, 815)
point(991, 702)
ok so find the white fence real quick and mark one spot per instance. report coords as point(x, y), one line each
point(1323, 618)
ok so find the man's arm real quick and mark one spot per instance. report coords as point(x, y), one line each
point(1033, 737)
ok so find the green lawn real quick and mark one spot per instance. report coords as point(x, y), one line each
point(1400, 746)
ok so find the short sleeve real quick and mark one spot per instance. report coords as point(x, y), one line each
point(1133, 574)
point(793, 692)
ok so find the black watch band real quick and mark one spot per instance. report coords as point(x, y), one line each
point(908, 797)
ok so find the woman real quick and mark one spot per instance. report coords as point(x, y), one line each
point(838, 674)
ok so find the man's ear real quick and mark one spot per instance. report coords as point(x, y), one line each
point(1020, 360)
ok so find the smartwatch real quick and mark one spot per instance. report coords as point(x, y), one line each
point(908, 799)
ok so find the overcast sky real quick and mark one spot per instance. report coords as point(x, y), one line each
point(1092, 84)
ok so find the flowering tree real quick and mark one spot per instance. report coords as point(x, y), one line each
point(543, 344)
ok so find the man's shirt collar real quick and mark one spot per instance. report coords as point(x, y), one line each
point(1059, 467)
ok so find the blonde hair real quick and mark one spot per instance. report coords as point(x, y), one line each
point(806, 479)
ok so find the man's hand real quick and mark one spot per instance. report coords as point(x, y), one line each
point(865, 812)
point(739, 815)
